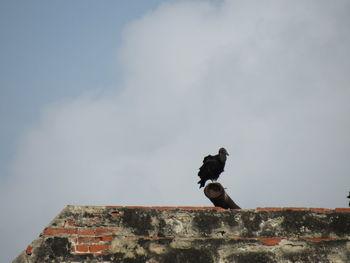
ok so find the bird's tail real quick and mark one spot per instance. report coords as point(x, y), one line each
point(201, 183)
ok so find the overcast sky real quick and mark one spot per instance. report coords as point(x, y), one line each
point(111, 103)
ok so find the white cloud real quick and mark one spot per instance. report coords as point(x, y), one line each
point(267, 80)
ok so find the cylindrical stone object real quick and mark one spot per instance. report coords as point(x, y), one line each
point(217, 195)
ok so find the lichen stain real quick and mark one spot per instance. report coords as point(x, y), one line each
point(128, 247)
point(157, 248)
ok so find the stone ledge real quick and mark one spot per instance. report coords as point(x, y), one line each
point(193, 234)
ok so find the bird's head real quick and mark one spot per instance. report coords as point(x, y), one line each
point(222, 151)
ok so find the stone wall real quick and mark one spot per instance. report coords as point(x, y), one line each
point(192, 234)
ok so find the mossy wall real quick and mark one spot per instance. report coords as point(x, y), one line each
point(192, 234)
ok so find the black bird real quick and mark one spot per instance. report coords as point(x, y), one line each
point(213, 166)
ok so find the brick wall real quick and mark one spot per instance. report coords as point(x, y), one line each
point(193, 234)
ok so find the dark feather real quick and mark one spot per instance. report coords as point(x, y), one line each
point(213, 166)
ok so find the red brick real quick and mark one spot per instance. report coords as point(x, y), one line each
point(89, 239)
point(163, 207)
point(176, 207)
point(81, 248)
point(102, 231)
point(115, 214)
point(137, 207)
point(106, 238)
point(98, 248)
point(271, 241)
point(321, 210)
point(70, 222)
point(57, 231)
point(29, 250)
point(269, 208)
point(342, 210)
point(152, 207)
point(202, 208)
point(86, 231)
point(295, 208)
point(170, 207)
point(319, 239)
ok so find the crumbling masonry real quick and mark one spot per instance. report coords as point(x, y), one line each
point(192, 234)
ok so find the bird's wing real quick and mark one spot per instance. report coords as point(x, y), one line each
point(209, 165)
point(208, 158)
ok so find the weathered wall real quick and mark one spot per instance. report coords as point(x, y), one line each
point(192, 234)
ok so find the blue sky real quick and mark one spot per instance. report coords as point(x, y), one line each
point(51, 50)
point(54, 50)
point(117, 103)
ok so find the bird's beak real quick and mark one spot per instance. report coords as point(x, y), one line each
point(227, 154)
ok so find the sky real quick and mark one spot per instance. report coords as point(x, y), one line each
point(117, 103)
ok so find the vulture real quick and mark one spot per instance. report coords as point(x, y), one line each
point(213, 166)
